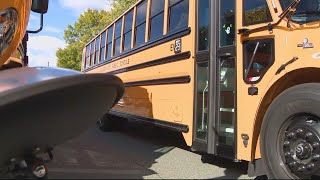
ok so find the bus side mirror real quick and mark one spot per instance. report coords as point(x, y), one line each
point(40, 6)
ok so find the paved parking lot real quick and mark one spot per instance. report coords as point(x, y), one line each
point(137, 152)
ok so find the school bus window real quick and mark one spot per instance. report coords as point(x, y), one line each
point(141, 24)
point(127, 31)
point(97, 50)
point(87, 58)
point(92, 53)
point(109, 45)
point(117, 38)
point(156, 19)
point(179, 14)
point(258, 58)
point(255, 12)
point(103, 46)
point(227, 24)
point(203, 20)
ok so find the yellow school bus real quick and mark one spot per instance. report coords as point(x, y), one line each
point(13, 24)
point(239, 78)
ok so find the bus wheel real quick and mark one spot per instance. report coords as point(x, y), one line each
point(290, 134)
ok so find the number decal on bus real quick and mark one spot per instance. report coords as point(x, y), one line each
point(176, 47)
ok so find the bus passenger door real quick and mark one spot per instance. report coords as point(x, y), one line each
point(225, 108)
point(215, 108)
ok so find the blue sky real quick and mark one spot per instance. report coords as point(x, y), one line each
point(42, 47)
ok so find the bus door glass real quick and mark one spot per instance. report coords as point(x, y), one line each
point(202, 76)
point(226, 79)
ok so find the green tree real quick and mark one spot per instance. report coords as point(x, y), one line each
point(89, 24)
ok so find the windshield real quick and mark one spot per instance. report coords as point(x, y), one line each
point(307, 10)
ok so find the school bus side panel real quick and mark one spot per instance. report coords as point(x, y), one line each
point(172, 101)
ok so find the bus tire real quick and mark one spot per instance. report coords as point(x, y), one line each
point(290, 134)
point(109, 123)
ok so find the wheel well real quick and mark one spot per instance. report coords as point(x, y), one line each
point(293, 78)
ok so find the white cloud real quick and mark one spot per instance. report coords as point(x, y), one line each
point(52, 29)
point(42, 49)
point(79, 6)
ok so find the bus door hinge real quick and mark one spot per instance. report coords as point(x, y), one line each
point(245, 138)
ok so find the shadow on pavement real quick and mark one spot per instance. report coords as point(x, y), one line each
point(132, 153)
point(127, 154)
point(233, 170)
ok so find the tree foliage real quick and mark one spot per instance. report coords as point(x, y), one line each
point(88, 25)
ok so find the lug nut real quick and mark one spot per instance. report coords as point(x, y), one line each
point(286, 143)
point(309, 135)
point(288, 154)
point(310, 166)
point(300, 132)
point(316, 157)
point(302, 168)
point(315, 145)
point(293, 164)
point(291, 135)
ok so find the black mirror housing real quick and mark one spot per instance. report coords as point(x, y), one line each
point(40, 6)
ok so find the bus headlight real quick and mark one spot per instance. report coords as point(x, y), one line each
point(8, 27)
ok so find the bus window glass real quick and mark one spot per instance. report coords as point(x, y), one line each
point(118, 28)
point(157, 19)
point(109, 45)
point(202, 100)
point(306, 11)
point(117, 46)
point(103, 46)
point(157, 6)
point(140, 32)
point(87, 58)
point(127, 41)
point(227, 23)
point(128, 21)
point(255, 12)
point(227, 81)
point(127, 31)
point(179, 14)
point(92, 53)
point(110, 34)
point(141, 12)
point(203, 19)
point(141, 24)
point(258, 58)
point(117, 37)
point(97, 50)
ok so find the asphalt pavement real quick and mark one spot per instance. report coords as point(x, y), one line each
point(136, 152)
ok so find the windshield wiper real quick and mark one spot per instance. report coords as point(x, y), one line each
point(287, 12)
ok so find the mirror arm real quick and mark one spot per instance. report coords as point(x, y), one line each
point(41, 26)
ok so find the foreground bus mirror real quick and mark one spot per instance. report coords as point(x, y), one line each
point(40, 6)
